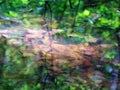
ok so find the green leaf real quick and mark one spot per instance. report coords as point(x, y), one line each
point(13, 14)
point(80, 15)
point(25, 87)
point(25, 1)
point(105, 34)
point(72, 88)
point(38, 85)
point(41, 2)
point(104, 20)
point(86, 12)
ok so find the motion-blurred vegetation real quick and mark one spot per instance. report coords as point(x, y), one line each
point(92, 22)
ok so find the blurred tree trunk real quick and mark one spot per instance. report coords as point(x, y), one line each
point(3, 44)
